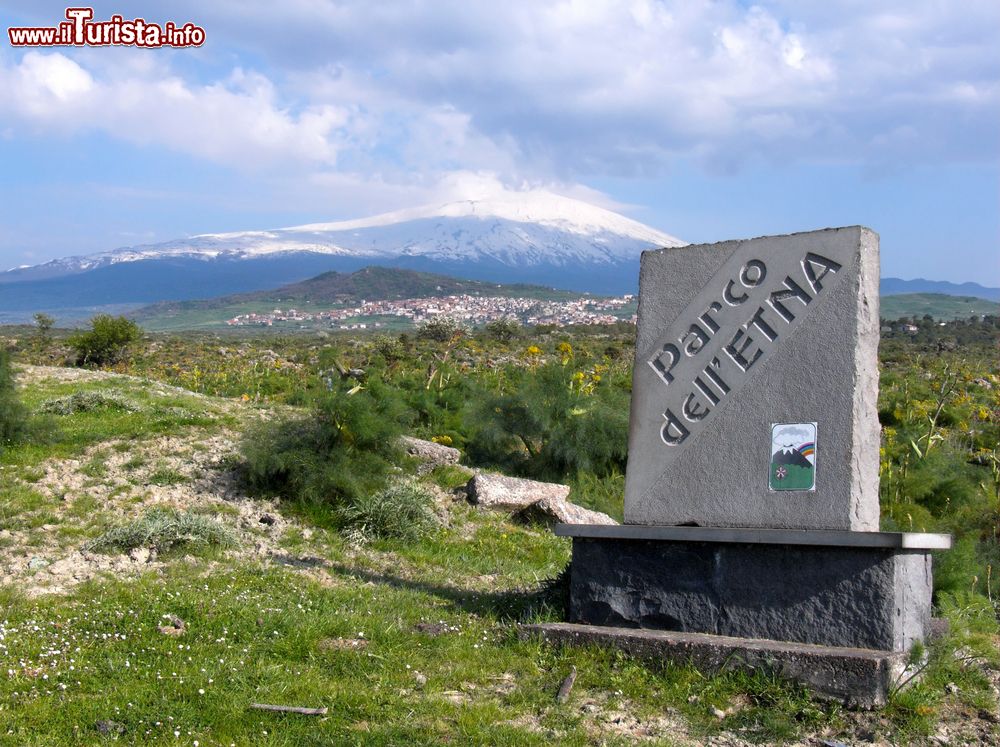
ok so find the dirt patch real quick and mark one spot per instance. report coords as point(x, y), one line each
point(117, 481)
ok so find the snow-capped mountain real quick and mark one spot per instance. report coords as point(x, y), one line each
point(517, 229)
point(531, 236)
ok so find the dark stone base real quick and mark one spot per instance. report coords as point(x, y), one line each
point(858, 677)
point(851, 596)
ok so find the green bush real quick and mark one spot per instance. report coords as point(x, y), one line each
point(389, 347)
point(504, 330)
point(441, 329)
point(106, 342)
point(161, 530)
point(554, 424)
point(402, 510)
point(13, 415)
point(341, 452)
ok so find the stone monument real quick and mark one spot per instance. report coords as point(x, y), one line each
point(751, 496)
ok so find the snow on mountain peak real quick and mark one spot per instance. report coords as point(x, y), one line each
point(513, 228)
point(535, 206)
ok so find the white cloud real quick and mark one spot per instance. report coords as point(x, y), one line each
point(560, 91)
point(238, 121)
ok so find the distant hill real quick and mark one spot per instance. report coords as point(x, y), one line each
point(938, 305)
point(331, 289)
point(895, 287)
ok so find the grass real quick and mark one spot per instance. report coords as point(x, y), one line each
point(167, 476)
point(164, 530)
point(259, 636)
point(157, 415)
point(331, 623)
point(401, 510)
point(427, 663)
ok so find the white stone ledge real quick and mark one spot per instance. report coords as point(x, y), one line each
point(821, 537)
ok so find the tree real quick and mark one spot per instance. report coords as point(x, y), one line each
point(43, 325)
point(106, 342)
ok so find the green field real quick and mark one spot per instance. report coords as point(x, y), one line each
point(412, 639)
point(939, 306)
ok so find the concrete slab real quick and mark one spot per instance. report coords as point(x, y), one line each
point(814, 537)
point(857, 677)
point(745, 344)
point(859, 597)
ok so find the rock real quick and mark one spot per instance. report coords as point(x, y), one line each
point(431, 629)
point(108, 727)
point(175, 629)
point(555, 511)
point(36, 564)
point(431, 454)
point(511, 493)
point(139, 554)
point(419, 679)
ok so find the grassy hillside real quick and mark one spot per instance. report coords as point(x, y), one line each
point(329, 290)
point(938, 305)
point(117, 627)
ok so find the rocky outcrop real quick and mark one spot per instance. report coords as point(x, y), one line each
point(552, 511)
point(511, 493)
point(530, 500)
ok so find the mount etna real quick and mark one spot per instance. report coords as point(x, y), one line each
point(534, 237)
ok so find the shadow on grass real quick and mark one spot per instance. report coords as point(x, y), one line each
point(548, 600)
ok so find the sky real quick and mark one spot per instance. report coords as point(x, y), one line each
point(709, 120)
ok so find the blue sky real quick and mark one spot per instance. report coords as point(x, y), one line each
point(706, 119)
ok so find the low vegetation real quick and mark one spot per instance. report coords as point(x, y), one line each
point(162, 530)
point(402, 510)
point(346, 580)
point(87, 401)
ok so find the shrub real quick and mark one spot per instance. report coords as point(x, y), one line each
point(389, 347)
point(441, 329)
point(161, 530)
point(401, 510)
point(555, 424)
point(106, 342)
point(88, 402)
point(13, 415)
point(504, 330)
point(339, 453)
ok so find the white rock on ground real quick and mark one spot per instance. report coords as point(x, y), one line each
point(530, 499)
point(553, 511)
point(431, 454)
point(511, 493)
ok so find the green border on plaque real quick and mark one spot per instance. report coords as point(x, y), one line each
point(793, 457)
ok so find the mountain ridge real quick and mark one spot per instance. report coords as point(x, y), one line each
point(520, 228)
